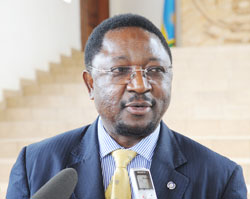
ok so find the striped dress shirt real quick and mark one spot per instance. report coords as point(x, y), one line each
point(144, 149)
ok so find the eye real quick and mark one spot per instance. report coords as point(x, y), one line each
point(120, 70)
point(155, 70)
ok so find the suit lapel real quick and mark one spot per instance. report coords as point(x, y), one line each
point(169, 183)
point(167, 158)
point(85, 159)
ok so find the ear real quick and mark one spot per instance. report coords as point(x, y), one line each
point(88, 80)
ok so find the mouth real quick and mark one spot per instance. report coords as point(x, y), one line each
point(138, 108)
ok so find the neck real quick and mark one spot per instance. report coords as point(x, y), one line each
point(125, 141)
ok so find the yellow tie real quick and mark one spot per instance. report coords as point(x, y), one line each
point(119, 186)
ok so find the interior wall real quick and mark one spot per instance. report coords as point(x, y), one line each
point(223, 22)
point(34, 33)
point(150, 9)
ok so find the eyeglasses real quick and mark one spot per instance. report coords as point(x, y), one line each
point(124, 74)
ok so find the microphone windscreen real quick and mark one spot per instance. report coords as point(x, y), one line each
point(61, 186)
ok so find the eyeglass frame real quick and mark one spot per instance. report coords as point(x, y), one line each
point(134, 70)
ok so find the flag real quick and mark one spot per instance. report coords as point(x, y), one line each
point(168, 25)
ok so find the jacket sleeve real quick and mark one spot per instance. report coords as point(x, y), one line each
point(18, 187)
point(236, 187)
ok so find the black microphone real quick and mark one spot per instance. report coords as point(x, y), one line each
point(61, 186)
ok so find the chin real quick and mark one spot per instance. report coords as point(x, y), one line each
point(135, 130)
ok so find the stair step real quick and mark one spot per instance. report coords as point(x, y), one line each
point(44, 77)
point(204, 65)
point(27, 129)
point(69, 61)
point(210, 98)
point(191, 127)
point(77, 54)
point(62, 89)
point(6, 165)
point(203, 112)
point(210, 85)
point(51, 114)
point(223, 56)
point(229, 146)
point(3, 189)
point(73, 70)
point(10, 148)
point(51, 102)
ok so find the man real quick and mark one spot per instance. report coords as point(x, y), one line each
point(129, 78)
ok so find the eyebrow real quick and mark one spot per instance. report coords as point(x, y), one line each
point(154, 59)
point(120, 58)
point(124, 57)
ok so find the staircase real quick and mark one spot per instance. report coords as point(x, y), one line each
point(210, 103)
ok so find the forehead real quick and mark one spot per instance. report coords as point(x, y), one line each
point(124, 33)
point(132, 43)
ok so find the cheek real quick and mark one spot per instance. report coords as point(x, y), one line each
point(164, 94)
point(107, 97)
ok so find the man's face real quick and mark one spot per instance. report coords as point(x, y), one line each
point(135, 108)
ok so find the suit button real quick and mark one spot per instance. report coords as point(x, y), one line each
point(171, 185)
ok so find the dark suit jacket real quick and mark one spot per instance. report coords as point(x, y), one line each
point(197, 172)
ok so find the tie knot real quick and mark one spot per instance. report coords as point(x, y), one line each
point(123, 157)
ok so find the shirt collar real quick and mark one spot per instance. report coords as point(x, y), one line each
point(144, 148)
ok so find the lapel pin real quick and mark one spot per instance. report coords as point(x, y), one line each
point(171, 185)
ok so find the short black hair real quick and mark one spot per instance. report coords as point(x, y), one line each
point(94, 43)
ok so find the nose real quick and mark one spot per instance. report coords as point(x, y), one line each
point(139, 83)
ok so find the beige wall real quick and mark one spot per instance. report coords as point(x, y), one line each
point(34, 33)
point(215, 22)
point(151, 9)
point(200, 22)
